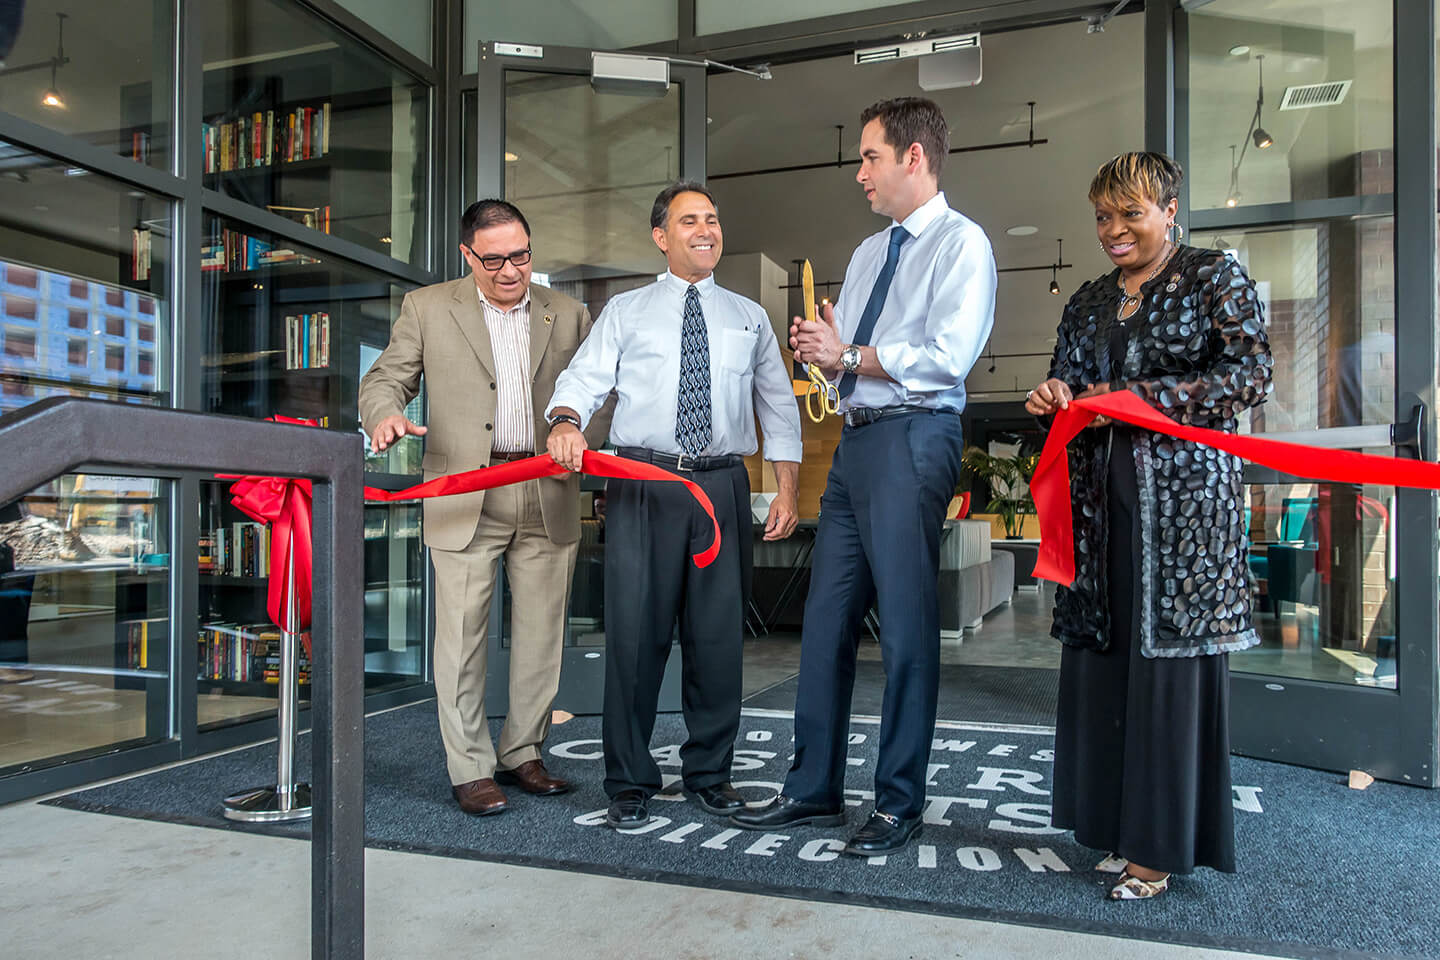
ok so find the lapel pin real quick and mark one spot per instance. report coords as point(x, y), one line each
point(548, 318)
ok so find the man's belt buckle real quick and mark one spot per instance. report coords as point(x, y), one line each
point(680, 459)
point(860, 416)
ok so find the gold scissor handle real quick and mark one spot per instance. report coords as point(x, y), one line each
point(823, 392)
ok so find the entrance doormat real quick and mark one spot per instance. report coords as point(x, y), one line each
point(1325, 871)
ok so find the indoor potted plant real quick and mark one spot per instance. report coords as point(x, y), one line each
point(1008, 478)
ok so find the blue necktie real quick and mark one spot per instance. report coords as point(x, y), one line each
point(876, 303)
point(692, 407)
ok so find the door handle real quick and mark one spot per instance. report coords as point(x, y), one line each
point(1408, 436)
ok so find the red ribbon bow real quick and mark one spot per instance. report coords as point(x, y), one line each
point(1050, 486)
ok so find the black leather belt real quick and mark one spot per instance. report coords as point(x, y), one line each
point(497, 457)
point(681, 461)
point(859, 416)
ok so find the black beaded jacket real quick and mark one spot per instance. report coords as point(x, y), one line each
point(1196, 350)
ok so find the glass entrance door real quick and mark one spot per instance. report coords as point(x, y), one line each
point(1291, 160)
point(583, 159)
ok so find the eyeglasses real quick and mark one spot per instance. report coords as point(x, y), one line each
point(494, 261)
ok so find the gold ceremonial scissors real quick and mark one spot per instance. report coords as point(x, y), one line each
point(821, 393)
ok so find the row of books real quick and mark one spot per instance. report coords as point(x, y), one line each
point(237, 251)
point(140, 238)
point(143, 643)
point(265, 139)
point(241, 549)
point(307, 341)
point(140, 146)
point(244, 651)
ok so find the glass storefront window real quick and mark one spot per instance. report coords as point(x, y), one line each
point(614, 25)
point(1328, 289)
point(289, 330)
point(585, 167)
point(1321, 554)
point(85, 642)
point(305, 122)
point(100, 72)
point(408, 24)
point(1325, 125)
point(83, 266)
point(1322, 582)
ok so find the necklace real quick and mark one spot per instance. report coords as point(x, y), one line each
point(1132, 300)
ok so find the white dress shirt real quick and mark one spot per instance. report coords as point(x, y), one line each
point(510, 343)
point(634, 348)
point(937, 315)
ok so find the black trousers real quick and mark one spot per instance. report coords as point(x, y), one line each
point(881, 518)
point(651, 530)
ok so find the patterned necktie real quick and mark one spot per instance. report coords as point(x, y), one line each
point(876, 303)
point(692, 407)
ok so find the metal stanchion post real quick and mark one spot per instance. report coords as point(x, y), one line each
point(286, 800)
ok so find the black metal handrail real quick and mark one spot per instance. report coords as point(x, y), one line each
point(56, 436)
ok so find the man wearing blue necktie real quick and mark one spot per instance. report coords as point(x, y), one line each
point(915, 311)
point(692, 365)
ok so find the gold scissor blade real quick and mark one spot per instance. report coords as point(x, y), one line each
point(807, 290)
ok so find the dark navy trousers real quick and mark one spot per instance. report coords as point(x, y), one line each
point(881, 518)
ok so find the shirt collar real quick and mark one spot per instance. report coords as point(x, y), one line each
point(705, 287)
point(924, 215)
point(524, 302)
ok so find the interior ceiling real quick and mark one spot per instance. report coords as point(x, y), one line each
point(1088, 94)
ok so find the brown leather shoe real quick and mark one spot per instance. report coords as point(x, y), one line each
point(532, 777)
point(480, 798)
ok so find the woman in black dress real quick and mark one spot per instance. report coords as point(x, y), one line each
point(1161, 594)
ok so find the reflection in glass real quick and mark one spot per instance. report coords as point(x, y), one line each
point(585, 167)
point(79, 258)
point(101, 72)
point(721, 16)
point(290, 331)
point(1327, 101)
point(1329, 295)
point(85, 640)
point(1323, 578)
point(307, 123)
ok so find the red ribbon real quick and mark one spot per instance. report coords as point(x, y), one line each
point(1050, 486)
point(532, 468)
point(286, 504)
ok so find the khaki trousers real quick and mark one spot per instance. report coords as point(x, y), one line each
point(540, 573)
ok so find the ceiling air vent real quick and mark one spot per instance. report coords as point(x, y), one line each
point(1315, 95)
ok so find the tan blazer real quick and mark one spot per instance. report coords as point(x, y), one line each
point(441, 333)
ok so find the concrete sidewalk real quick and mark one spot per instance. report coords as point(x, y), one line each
point(88, 885)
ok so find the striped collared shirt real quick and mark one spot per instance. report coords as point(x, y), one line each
point(510, 344)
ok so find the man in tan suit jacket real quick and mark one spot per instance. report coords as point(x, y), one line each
point(490, 346)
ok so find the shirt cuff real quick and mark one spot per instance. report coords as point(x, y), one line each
point(786, 450)
point(559, 400)
point(891, 357)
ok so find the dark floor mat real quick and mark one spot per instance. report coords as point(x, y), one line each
point(986, 852)
point(1017, 695)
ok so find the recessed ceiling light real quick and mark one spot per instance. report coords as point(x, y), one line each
point(511, 157)
point(1239, 50)
point(1024, 230)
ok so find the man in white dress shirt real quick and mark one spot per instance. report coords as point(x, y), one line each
point(916, 309)
point(692, 364)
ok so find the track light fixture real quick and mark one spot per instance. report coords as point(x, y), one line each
point(1261, 139)
point(1059, 259)
point(52, 96)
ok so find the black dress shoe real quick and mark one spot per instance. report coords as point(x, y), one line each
point(784, 812)
point(720, 799)
point(628, 809)
point(882, 834)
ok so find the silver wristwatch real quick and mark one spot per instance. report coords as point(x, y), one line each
point(850, 358)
